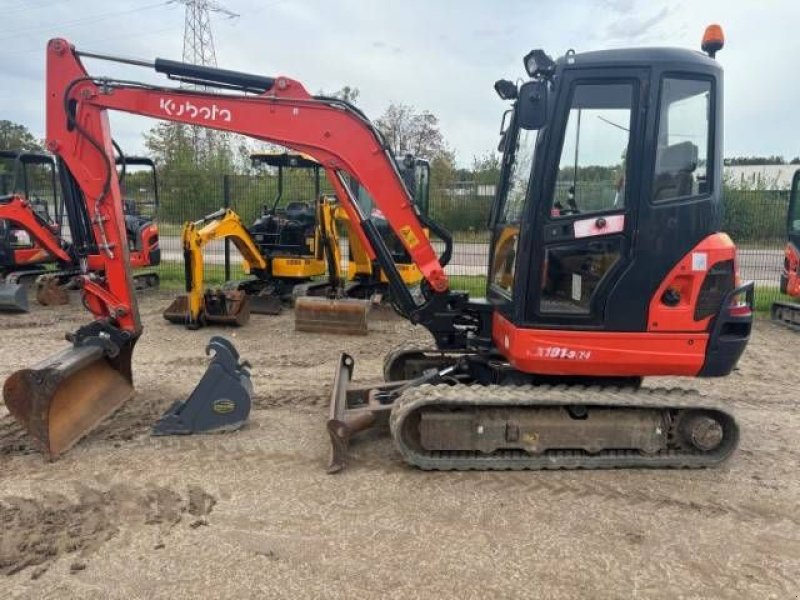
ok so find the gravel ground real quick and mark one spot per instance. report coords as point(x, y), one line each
point(253, 514)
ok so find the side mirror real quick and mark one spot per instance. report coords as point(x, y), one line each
point(532, 105)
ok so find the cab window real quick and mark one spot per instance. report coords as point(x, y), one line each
point(683, 151)
point(591, 171)
point(504, 257)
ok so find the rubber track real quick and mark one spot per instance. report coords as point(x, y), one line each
point(790, 314)
point(510, 396)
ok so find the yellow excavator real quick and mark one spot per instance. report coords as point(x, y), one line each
point(223, 307)
point(341, 304)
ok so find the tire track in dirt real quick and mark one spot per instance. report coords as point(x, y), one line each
point(581, 487)
point(36, 532)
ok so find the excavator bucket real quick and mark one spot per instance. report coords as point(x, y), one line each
point(265, 304)
point(61, 399)
point(221, 307)
point(50, 292)
point(13, 297)
point(178, 310)
point(220, 402)
point(346, 316)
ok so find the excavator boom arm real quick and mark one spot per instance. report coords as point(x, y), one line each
point(331, 131)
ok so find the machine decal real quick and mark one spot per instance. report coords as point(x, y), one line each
point(561, 352)
point(210, 113)
point(409, 236)
point(699, 261)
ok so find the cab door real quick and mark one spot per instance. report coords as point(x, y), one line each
point(793, 224)
point(587, 207)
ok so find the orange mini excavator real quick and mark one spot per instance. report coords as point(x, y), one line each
point(32, 244)
point(788, 313)
point(607, 264)
point(31, 217)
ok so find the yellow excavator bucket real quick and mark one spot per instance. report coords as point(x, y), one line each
point(346, 316)
point(59, 400)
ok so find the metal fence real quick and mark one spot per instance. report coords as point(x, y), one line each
point(755, 219)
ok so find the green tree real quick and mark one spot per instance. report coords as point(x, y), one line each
point(14, 136)
point(408, 131)
point(346, 93)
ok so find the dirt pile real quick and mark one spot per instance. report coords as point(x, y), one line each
point(37, 532)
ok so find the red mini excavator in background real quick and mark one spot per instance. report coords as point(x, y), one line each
point(591, 287)
point(788, 313)
point(32, 238)
point(31, 218)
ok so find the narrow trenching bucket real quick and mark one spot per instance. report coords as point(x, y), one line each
point(220, 402)
point(13, 297)
point(61, 399)
point(346, 316)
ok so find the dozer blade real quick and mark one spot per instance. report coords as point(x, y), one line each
point(61, 399)
point(13, 298)
point(50, 292)
point(323, 315)
point(220, 402)
point(265, 304)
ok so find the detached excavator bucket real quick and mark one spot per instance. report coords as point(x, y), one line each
point(220, 402)
point(61, 399)
point(346, 316)
point(13, 297)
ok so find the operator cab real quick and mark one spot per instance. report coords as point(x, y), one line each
point(33, 176)
point(287, 228)
point(139, 187)
point(793, 223)
point(610, 176)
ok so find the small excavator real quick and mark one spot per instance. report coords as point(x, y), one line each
point(287, 251)
point(341, 305)
point(788, 313)
point(36, 208)
point(31, 236)
point(198, 306)
point(632, 279)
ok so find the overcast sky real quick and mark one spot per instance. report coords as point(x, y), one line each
point(439, 56)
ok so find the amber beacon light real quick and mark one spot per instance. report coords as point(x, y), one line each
point(713, 40)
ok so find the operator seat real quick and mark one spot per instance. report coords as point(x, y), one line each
point(675, 166)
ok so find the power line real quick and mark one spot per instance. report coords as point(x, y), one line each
point(79, 22)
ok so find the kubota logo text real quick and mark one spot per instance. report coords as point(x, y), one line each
point(209, 113)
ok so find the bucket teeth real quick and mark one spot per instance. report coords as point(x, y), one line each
point(220, 402)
